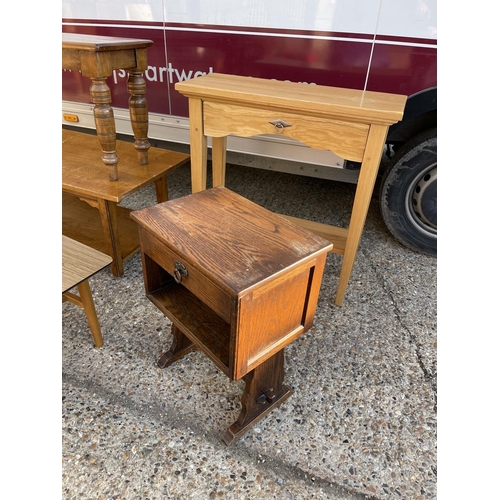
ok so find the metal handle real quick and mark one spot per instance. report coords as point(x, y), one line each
point(279, 125)
point(180, 271)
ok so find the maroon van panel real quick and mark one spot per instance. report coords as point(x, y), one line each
point(196, 50)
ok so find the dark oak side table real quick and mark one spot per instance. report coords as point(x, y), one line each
point(97, 57)
point(238, 282)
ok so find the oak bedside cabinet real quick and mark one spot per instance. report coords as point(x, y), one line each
point(237, 281)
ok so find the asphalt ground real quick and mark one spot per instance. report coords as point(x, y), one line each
point(361, 424)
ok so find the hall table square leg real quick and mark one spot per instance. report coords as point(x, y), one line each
point(238, 282)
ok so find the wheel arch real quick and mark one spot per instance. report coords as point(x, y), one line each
point(420, 114)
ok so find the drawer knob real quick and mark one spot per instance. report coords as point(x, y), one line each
point(180, 271)
point(279, 125)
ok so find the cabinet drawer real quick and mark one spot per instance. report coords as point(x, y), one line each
point(346, 140)
point(195, 281)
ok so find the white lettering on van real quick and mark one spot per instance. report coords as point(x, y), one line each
point(161, 74)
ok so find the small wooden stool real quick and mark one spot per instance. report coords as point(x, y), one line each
point(79, 263)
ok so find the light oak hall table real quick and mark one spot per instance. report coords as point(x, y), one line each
point(97, 57)
point(351, 123)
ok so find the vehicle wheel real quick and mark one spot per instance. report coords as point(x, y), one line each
point(408, 194)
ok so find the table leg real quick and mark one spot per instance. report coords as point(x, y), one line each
point(107, 210)
point(89, 308)
point(366, 181)
point(105, 124)
point(180, 346)
point(219, 161)
point(264, 391)
point(198, 147)
point(138, 105)
point(161, 186)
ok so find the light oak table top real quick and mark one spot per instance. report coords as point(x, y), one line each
point(318, 100)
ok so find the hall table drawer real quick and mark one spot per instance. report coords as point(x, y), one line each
point(347, 140)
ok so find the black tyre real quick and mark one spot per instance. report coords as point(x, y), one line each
point(408, 194)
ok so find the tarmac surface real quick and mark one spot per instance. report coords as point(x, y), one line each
point(361, 423)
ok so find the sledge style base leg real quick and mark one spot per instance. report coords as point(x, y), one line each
point(181, 345)
point(264, 391)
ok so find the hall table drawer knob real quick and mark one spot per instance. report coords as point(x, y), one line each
point(279, 125)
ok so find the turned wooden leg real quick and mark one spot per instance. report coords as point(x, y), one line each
point(105, 124)
point(138, 105)
point(181, 345)
point(264, 391)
